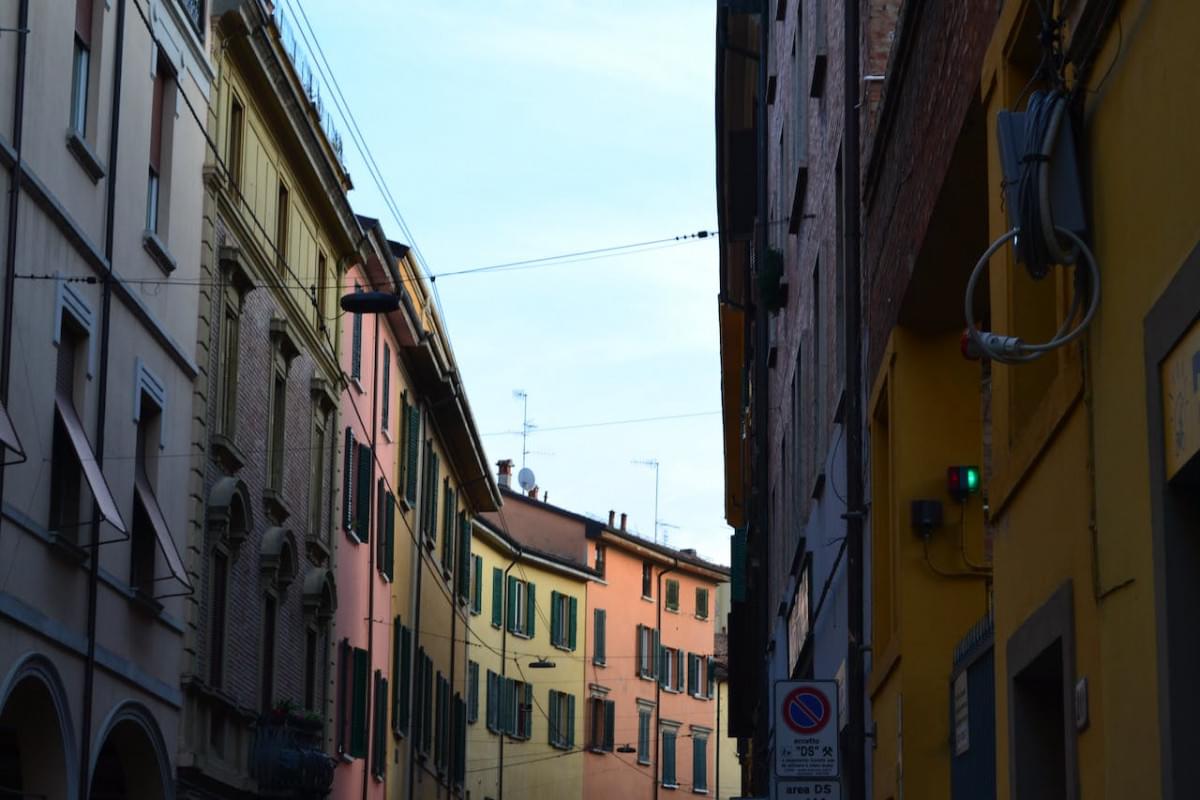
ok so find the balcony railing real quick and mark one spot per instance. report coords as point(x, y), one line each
point(287, 759)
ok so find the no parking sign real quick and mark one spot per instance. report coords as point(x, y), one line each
point(806, 729)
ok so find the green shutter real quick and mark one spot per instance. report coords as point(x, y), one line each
point(460, 741)
point(497, 597)
point(528, 711)
point(668, 767)
point(448, 527)
point(678, 669)
point(356, 344)
point(362, 526)
point(572, 626)
point(404, 688)
point(427, 712)
point(477, 593)
point(389, 535)
point(702, 603)
point(358, 716)
point(530, 609)
point(555, 720)
point(507, 712)
point(598, 637)
point(610, 721)
point(348, 482)
point(711, 668)
point(673, 595)
point(643, 753)
point(434, 478)
point(414, 453)
point(417, 683)
point(490, 702)
point(510, 601)
point(693, 674)
point(570, 720)
point(555, 619)
point(386, 400)
point(699, 764)
point(464, 557)
point(396, 627)
point(640, 654)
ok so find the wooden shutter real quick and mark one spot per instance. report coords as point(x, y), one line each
point(477, 589)
point(530, 608)
point(389, 553)
point(640, 653)
point(570, 721)
point(528, 732)
point(702, 603)
point(571, 628)
point(348, 482)
point(417, 685)
point(433, 497)
point(668, 767)
point(556, 636)
point(598, 636)
point(699, 776)
point(83, 21)
point(448, 509)
point(356, 343)
point(362, 500)
point(693, 674)
point(344, 694)
point(427, 701)
point(711, 669)
point(464, 556)
point(490, 702)
point(414, 451)
point(497, 596)
point(610, 721)
point(386, 401)
point(511, 603)
point(405, 688)
point(555, 719)
point(378, 739)
point(396, 629)
point(358, 722)
point(678, 669)
point(643, 753)
point(460, 740)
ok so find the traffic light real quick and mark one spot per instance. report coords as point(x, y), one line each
point(962, 482)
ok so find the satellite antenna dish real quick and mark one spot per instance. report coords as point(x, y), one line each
point(526, 479)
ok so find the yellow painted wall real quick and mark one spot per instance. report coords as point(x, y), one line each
point(1143, 167)
point(532, 768)
point(931, 396)
point(729, 781)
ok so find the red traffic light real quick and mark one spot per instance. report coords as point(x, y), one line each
point(961, 482)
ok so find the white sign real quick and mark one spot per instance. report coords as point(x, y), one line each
point(809, 790)
point(962, 722)
point(806, 729)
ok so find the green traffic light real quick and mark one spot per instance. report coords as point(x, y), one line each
point(972, 479)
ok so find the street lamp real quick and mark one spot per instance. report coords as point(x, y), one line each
point(542, 663)
point(370, 302)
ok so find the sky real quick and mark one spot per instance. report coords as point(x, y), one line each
point(517, 129)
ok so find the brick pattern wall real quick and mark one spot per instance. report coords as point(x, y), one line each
point(933, 76)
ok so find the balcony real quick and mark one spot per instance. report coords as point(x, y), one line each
point(287, 758)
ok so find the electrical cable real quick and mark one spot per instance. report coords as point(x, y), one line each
point(945, 573)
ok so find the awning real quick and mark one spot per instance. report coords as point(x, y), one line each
point(87, 460)
point(8, 433)
point(145, 495)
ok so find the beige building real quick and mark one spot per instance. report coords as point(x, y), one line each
point(100, 201)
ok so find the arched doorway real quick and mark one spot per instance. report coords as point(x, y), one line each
point(131, 763)
point(35, 758)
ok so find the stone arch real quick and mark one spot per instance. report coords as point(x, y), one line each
point(320, 595)
point(38, 752)
point(229, 513)
point(278, 559)
point(131, 760)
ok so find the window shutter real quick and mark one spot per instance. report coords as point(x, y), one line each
point(660, 665)
point(464, 556)
point(570, 737)
point(678, 669)
point(711, 677)
point(699, 779)
point(572, 626)
point(460, 741)
point(511, 603)
point(427, 713)
point(528, 732)
point(530, 608)
point(554, 728)
point(610, 721)
point(691, 676)
point(598, 637)
point(450, 534)
point(497, 596)
point(668, 768)
point(389, 552)
point(156, 117)
point(358, 717)
point(433, 498)
point(643, 736)
point(356, 344)
point(418, 721)
point(414, 452)
point(507, 716)
point(702, 603)
point(555, 619)
point(83, 21)
point(477, 599)
point(363, 498)
point(348, 481)
point(396, 627)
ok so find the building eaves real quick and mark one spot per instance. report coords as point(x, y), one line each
point(552, 560)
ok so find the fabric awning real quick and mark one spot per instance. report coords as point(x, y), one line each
point(8, 433)
point(87, 460)
point(145, 495)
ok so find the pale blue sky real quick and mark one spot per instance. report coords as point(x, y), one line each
point(523, 128)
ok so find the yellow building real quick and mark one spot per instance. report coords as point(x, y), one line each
point(526, 682)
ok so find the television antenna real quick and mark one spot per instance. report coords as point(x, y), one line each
point(666, 537)
point(652, 462)
point(526, 425)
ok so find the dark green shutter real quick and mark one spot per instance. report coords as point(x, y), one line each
point(640, 654)
point(381, 516)
point(362, 526)
point(673, 595)
point(404, 689)
point(358, 716)
point(668, 767)
point(555, 719)
point(510, 600)
point(460, 740)
point(702, 603)
point(356, 344)
point(477, 572)
point(530, 609)
point(693, 682)
point(414, 453)
point(464, 556)
point(389, 552)
point(598, 636)
point(528, 710)
point(386, 400)
point(555, 619)
point(678, 669)
point(497, 597)
point(396, 628)
point(610, 721)
point(643, 753)
point(379, 725)
point(348, 482)
point(571, 628)
point(711, 665)
point(427, 712)
point(490, 702)
point(448, 527)
point(570, 720)
point(699, 764)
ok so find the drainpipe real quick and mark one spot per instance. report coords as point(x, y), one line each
point(504, 661)
point(856, 644)
point(717, 755)
point(419, 561)
point(14, 192)
point(373, 543)
point(453, 659)
point(658, 679)
point(89, 671)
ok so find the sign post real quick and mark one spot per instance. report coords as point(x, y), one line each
point(807, 761)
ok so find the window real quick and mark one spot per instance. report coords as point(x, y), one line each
point(699, 759)
point(311, 666)
point(357, 733)
point(216, 629)
point(237, 122)
point(668, 755)
point(429, 495)
point(497, 596)
point(818, 372)
point(379, 728)
point(81, 66)
point(492, 720)
point(316, 478)
point(194, 11)
point(322, 291)
point(669, 665)
point(600, 554)
point(602, 721)
point(143, 537)
point(441, 718)
point(476, 584)
point(643, 746)
point(672, 595)
point(401, 674)
point(385, 542)
point(472, 692)
point(412, 444)
point(646, 580)
point(464, 557)
point(449, 511)
point(362, 496)
point(517, 708)
point(282, 214)
point(423, 688)
point(522, 604)
point(267, 664)
point(356, 333)
point(563, 611)
point(65, 466)
point(159, 153)
point(278, 431)
point(344, 691)
point(698, 668)
point(348, 453)
point(460, 741)
point(227, 391)
point(562, 720)
point(599, 616)
point(385, 401)
point(701, 602)
point(647, 645)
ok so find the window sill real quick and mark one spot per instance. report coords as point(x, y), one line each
point(346, 758)
point(275, 507)
point(226, 453)
point(357, 384)
point(352, 536)
point(699, 791)
point(669, 690)
point(671, 786)
point(85, 156)
point(158, 251)
point(599, 663)
point(384, 430)
point(670, 610)
point(648, 598)
point(702, 619)
point(645, 763)
point(566, 648)
point(66, 549)
point(650, 678)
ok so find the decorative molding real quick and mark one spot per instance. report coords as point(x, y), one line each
point(93, 167)
point(226, 453)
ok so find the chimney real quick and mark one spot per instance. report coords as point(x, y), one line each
point(689, 551)
point(533, 493)
point(612, 518)
point(504, 473)
point(546, 497)
point(624, 516)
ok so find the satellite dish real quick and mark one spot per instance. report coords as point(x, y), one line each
point(526, 479)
